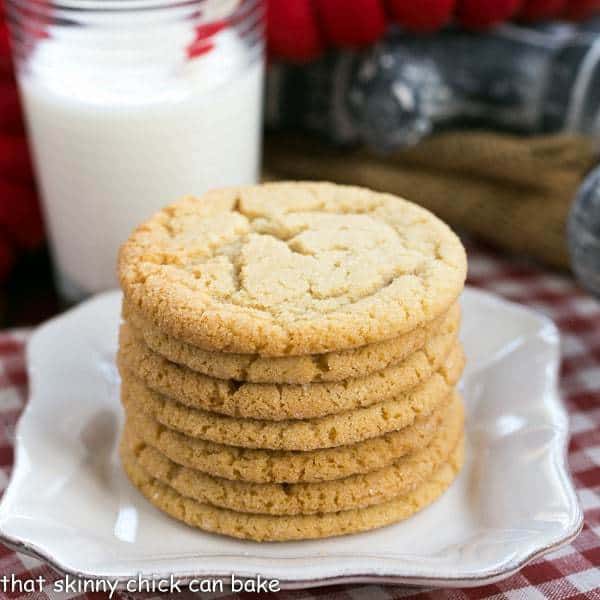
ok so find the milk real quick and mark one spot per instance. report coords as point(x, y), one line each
point(111, 147)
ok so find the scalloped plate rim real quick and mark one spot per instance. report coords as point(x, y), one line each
point(464, 579)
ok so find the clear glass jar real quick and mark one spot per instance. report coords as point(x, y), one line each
point(131, 104)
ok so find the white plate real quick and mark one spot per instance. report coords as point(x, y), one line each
point(69, 502)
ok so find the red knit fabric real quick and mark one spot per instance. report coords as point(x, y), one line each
point(292, 30)
point(581, 9)
point(534, 10)
point(481, 14)
point(421, 15)
point(352, 23)
point(21, 226)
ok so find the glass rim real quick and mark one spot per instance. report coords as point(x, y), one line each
point(117, 6)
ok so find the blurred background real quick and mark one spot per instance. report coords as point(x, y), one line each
point(487, 112)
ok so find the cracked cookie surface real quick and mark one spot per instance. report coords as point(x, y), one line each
point(291, 268)
point(279, 466)
point(323, 432)
point(262, 527)
point(278, 402)
point(357, 491)
point(307, 368)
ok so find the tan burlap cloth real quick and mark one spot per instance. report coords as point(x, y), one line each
point(511, 191)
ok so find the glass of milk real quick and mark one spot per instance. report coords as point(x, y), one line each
point(131, 104)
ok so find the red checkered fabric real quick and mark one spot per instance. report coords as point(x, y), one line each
point(571, 572)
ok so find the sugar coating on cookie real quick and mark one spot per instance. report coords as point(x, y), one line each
point(302, 369)
point(278, 402)
point(280, 466)
point(261, 527)
point(322, 432)
point(356, 491)
point(291, 268)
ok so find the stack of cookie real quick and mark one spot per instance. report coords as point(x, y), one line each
point(289, 354)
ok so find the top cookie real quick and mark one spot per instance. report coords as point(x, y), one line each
point(284, 269)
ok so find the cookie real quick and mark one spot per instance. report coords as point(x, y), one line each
point(267, 466)
point(277, 402)
point(294, 527)
point(308, 368)
point(283, 269)
point(323, 432)
point(356, 491)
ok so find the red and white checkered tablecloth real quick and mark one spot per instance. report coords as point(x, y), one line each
point(572, 572)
